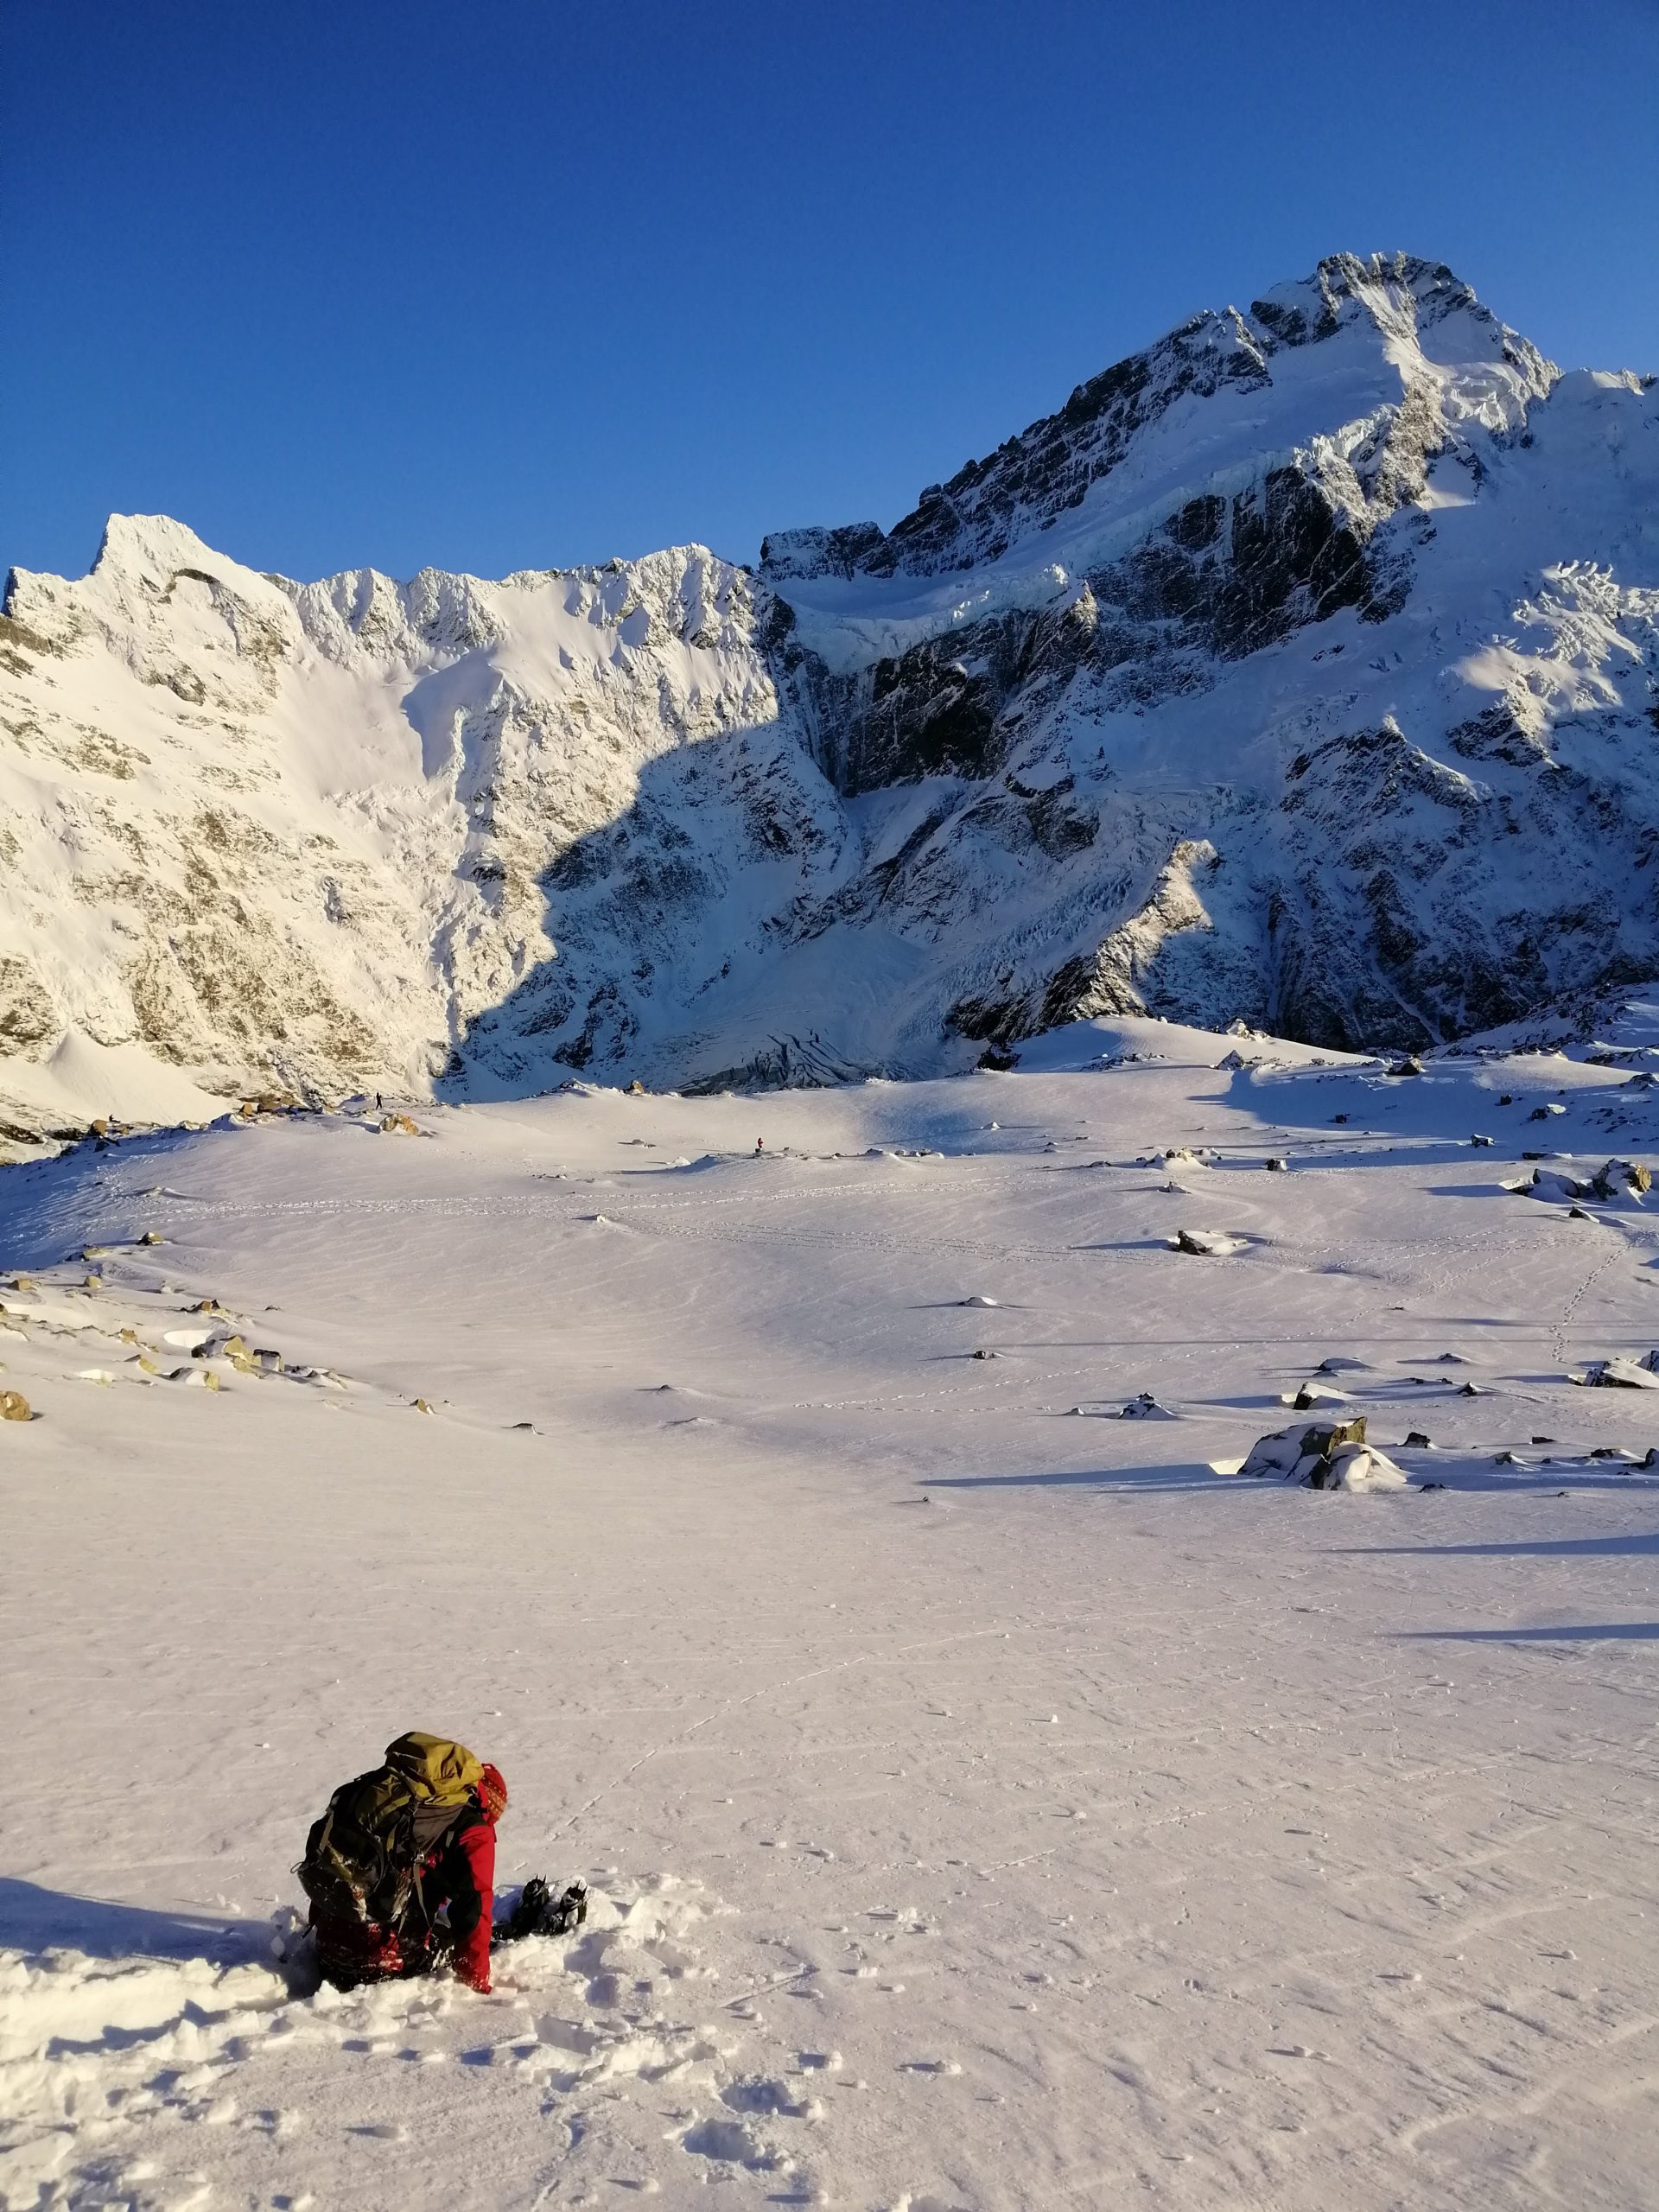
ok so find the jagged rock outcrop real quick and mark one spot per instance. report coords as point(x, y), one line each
point(1303, 669)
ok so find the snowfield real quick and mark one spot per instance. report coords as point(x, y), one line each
point(988, 1804)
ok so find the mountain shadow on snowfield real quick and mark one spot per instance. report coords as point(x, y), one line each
point(1303, 669)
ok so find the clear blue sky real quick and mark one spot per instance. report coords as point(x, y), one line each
point(502, 284)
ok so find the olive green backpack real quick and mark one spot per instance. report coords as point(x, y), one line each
point(362, 1858)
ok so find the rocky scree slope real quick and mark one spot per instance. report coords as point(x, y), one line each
point(1302, 670)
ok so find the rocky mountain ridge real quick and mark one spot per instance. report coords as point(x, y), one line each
point(1303, 670)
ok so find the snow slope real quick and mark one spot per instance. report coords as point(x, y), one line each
point(1303, 670)
point(988, 1805)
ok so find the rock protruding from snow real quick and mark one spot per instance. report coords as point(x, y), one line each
point(1206, 1244)
point(1619, 1373)
point(1325, 1455)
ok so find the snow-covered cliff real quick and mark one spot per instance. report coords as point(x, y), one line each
point(1303, 668)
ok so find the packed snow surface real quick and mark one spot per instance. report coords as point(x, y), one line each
point(984, 1807)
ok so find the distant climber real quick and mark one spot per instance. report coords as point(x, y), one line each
point(759, 1144)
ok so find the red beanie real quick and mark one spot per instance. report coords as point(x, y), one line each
point(492, 1793)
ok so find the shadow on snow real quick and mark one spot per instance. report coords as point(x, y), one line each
point(34, 1919)
point(1564, 1547)
point(1604, 1631)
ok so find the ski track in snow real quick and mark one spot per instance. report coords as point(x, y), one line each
point(982, 1814)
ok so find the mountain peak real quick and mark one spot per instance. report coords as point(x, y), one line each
point(149, 553)
point(152, 549)
point(1378, 286)
point(1332, 349)
point(1242, 686)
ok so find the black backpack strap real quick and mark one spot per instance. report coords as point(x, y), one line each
point(428, 1826)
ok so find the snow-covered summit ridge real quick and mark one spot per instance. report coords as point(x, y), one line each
point(683, 592)
point(1353, 378)
point(1304, 671)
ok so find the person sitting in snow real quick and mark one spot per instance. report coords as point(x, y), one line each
point(400, 1868)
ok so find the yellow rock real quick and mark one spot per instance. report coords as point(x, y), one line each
point(152, 1236)
point(421, 1406)
point(14, 1405)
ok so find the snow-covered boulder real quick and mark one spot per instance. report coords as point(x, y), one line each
point(1621, 1177)
point(1307, 1396)
point(1621, 1374)
point(1325, 1455)
point(1616, 1179)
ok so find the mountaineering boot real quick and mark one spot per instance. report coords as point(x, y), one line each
point(568, 1911)
point(538, 1912)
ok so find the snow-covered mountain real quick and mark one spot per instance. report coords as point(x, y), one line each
point(1303, 669)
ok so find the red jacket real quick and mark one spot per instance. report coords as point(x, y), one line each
point(461, 1875)
point(458, 1873)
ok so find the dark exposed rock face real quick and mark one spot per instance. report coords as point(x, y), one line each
point(29, 1020)
point(1410, 928)
point(951, 707)
point(1220, 575)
